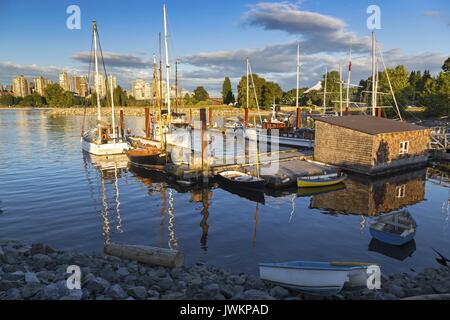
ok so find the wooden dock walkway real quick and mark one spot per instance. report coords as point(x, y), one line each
point(288, 165)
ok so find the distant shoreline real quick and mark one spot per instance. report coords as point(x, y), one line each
point(134, 111)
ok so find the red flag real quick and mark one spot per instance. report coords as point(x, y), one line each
point(350, 66)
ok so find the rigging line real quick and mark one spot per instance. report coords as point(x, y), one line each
point(88, 86)
point(390, 84)
point(104, 68)
point(254, 90)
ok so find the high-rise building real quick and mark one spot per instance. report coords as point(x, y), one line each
point(80, 85)
point(114, 81)
point(138, 89)
point(101, 85)
point(64, 81)
point(21, 87)
point(40, 83)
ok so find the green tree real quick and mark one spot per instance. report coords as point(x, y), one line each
point(200, 94)
point(57, 97)
point(227, 92)
point(266, 92)
point(8, 100)
point(271, 93)
point(446, 65)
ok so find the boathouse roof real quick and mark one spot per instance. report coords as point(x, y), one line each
point(371, 125)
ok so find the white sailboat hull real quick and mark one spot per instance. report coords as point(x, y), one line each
point(104, 149)
point(286, 141)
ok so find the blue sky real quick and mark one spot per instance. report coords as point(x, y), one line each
point(212, 38)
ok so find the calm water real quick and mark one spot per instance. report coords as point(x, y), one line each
point(50, 192)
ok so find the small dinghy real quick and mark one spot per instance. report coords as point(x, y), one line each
point(321, 278)
point(396, 229)
point(241, 180)
point(148, 155)
point(321, 181)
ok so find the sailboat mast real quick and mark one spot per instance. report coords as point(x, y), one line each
point(325, 92)
point(347, 106)
point(298, 75)
point(97, 88)
point(248, 85)
point(113, 113)
point(374, 92)
point(176, 85)
point(160, 74)
point(166, 40)
point(340, 89)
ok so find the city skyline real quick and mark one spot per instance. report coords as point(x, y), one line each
point(212, 40)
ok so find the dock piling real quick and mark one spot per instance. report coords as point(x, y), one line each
point(147, 123)
point(122, 123)
point(204, 146)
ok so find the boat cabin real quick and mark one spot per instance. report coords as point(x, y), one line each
point(370, 145)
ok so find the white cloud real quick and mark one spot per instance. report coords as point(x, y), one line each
point(318, 32)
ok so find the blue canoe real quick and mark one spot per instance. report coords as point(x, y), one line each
point(396, 229)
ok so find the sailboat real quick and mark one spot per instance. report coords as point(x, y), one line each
point(104, 139)
point(284, 139)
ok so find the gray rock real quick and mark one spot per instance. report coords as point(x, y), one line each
point(31, 289)
point(137, 292)
point(46, 276)
point(173, 296)
point(97, 285)
point(396, 290)
point(31, 277)
point(13, 294)
point(40, 248)
point(116, 292)
point(386, 296)
point(279, 292)
point(5, 285)
point(165, 283)
point(211, 289)
point(55, 291)
point(9, 258)
point(253, 295)
point(41, 260)
point(123, 272)
point(440, 287)
point(227, 291)
point(15, 276)
point(153, 294)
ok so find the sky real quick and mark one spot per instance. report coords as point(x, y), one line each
point(212, 39)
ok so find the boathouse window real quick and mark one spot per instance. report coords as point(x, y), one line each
point(404, 147)
point(400, 191)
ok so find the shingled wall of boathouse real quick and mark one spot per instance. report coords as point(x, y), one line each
point(369, 153)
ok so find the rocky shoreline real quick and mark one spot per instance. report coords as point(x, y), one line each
point(39, 272)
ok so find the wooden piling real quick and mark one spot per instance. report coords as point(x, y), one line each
point(204, 146)
point(299, 118)
point(246, 117)
point(147, 123)
point(122, 123)
point(210, 117)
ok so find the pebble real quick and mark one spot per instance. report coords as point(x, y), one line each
point(39, 272)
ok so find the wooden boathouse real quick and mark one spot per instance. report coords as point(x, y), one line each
point(370, 145)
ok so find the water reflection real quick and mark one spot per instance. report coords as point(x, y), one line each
point(396, 252)
point(371, 197)
point(109, 170)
